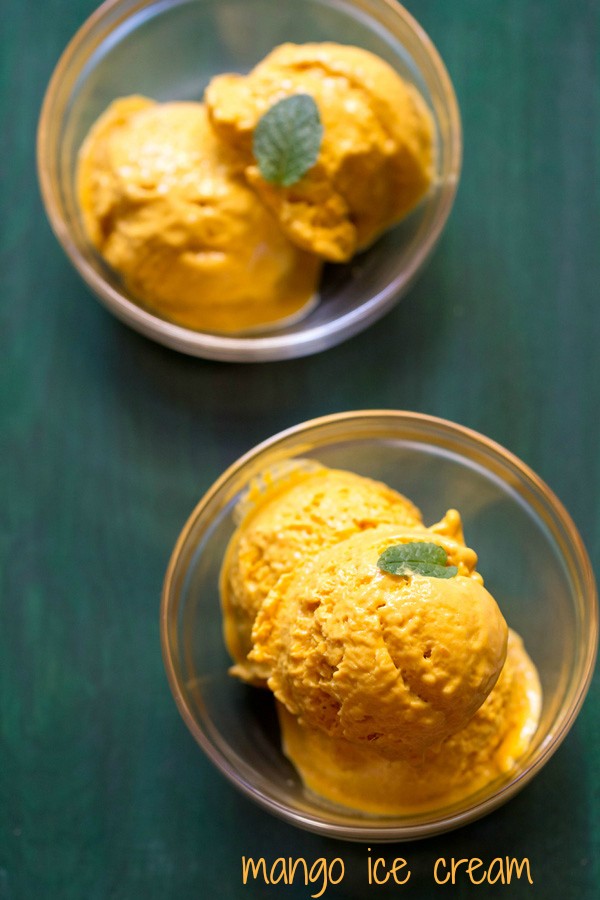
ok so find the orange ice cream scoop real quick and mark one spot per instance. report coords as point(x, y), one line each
point(168, 207)
point(376, 159)
point(287, 519)
point(486, 749)
point(393, 663)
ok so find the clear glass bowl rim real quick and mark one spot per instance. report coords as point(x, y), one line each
point(223, 347)
point(586, 654)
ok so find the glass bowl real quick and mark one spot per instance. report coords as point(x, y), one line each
point(170, 51)
point(530, 554)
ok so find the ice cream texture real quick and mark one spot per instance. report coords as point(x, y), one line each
point(382, 660)
point(395, 693)
point(485, 750)
point(290, 517)
point(167, 205)
point(173, 199)
point(376, 160)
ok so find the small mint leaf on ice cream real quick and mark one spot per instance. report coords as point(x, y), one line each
point(417, 558)
point(287, 139)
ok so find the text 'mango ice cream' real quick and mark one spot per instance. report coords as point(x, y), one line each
point(396, 692)
point(173, 198)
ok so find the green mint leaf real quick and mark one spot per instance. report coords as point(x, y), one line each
point(287, 139)
point(417, 558)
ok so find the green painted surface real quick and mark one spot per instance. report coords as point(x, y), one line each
point(108, 441)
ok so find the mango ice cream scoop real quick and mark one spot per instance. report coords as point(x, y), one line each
point(395, 663)
point(359, 777)
point(288, 518)
point(376, 160)
point(168, 207)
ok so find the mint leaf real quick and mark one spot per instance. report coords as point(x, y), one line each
point(287, 139)
point(417, 558)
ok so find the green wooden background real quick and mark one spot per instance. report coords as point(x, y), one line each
point(109, 440)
